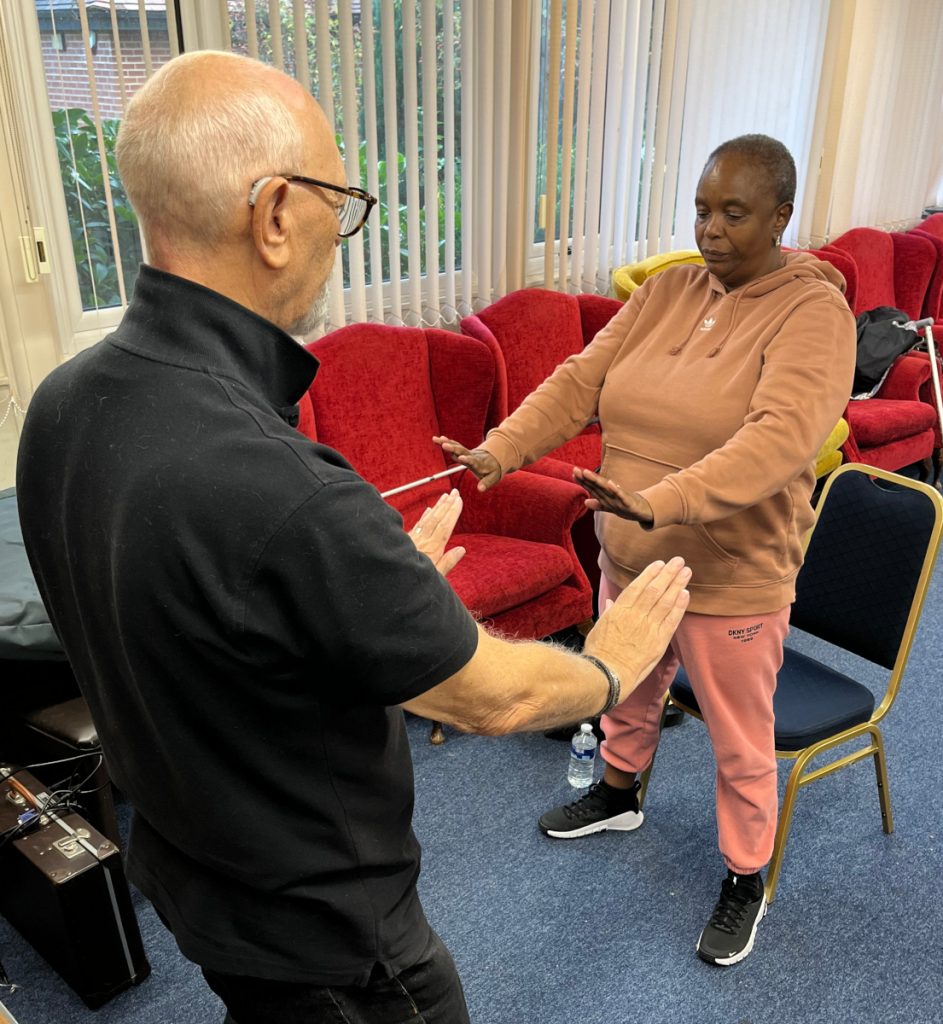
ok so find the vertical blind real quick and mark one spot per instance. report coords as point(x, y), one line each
point(429, 99)
point(533, 142)
point(659, 84)
point(854, 90)
point(878, 117)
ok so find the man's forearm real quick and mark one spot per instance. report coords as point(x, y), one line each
point(516, 687)
point(508, 687)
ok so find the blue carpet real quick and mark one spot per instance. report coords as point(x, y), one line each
point(603, 929)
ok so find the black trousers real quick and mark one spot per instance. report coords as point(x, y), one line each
point(429, 992)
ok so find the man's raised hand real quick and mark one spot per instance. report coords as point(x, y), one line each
point(633, 632)
point(433, 530)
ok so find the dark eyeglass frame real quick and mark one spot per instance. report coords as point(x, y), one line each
point(350, 191)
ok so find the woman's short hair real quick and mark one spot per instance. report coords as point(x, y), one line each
point(770, 155)
point(186, 157)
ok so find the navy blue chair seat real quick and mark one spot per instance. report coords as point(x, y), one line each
point(811, 703)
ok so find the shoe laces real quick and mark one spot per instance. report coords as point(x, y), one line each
point(731, 909)
point(587, 804)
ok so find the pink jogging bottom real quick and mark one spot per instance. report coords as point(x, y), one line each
point(732, 663)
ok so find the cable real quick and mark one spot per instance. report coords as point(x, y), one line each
point(60, 796)
point(7, 771)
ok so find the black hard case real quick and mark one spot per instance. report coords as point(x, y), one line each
point(69, 899)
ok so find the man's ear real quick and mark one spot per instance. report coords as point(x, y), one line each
point(270, 224)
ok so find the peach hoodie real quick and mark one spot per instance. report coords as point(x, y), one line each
point(713, 406)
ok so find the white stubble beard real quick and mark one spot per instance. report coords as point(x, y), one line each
point(316, 314)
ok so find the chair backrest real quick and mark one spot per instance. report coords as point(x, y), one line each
point(535, 330)
point(382, 392)
point(914, 264)
point(848, 269)
point(933, 300)
point(868, 564)
point(933, 225)
point(595, 312)
point(633, 275)
point(873, 253)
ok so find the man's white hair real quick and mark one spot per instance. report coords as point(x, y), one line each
point(187, 158)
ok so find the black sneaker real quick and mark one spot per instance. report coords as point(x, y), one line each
point(728, 936)
point(600, 808)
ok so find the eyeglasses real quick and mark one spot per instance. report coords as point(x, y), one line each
point(352, 215)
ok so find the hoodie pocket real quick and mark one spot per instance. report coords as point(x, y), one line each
point(628, 545)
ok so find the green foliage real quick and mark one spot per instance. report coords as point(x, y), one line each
point(83, 182)
point(379, 226)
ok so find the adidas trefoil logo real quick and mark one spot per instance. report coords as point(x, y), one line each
point(708, 323)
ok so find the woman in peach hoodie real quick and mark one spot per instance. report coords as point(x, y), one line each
point(715, 386)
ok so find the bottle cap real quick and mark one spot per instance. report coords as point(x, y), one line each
point(586, 727)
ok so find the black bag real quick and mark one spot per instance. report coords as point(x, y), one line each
point(881, 339)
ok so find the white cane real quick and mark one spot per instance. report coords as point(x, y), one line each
point(423, 480)
point(926, 324)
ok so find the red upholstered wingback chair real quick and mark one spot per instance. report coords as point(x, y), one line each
point(933, 300)
point(915, 259)
point(895, 428)
point(932, 230)
point(873, 255)
point(532, 331)
point(380, 395)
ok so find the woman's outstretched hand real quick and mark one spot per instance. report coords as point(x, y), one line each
point(607, 496)
point(482, 464)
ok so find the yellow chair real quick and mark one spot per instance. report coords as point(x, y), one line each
point(626, 279)
point(830, 456)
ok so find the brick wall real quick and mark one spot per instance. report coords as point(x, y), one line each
point(67, 73)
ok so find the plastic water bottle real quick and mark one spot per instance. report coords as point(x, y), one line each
point(582, 757)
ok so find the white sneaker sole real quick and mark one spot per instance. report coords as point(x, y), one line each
point(744, 953)
point(627, 822)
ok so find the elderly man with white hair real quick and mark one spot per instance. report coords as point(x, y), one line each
point(245, 616)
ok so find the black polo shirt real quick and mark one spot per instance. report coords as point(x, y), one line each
point(243, 613)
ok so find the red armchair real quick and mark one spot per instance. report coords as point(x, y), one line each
point(895, 428)
point(933, 300)
point(894, 268)
point(931, 229)
point(380, 395)
point(915, 259)
point(531, 332)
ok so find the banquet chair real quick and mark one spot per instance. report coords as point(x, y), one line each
point(380, 395)
point(861, 589)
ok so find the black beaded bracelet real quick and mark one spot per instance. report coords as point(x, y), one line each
point(615, 687)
